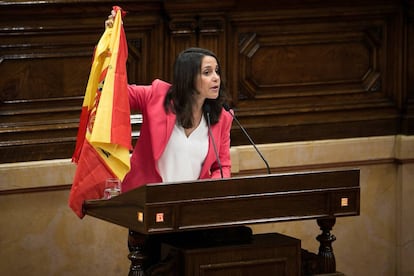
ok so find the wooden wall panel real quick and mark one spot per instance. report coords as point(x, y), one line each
point(295, 70)
point(46, 54)
point(300, 69)
point(408, 72)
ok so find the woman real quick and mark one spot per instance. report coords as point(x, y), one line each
point(175, 143)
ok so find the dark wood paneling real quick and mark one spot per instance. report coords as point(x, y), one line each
point(295, 70)
point(46, 54)
point(408, 73)
point(264, 254)
point(318, 73)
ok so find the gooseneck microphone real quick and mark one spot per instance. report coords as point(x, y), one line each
point(227, 108)
point(207, 109)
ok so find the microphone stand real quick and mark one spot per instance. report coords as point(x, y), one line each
point(206, 108)
point(227, 108)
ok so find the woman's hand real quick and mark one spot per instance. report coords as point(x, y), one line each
point(110, 21)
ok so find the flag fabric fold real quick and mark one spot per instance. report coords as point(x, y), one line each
point(104, 134)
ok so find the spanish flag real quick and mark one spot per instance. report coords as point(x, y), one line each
point(104, 134)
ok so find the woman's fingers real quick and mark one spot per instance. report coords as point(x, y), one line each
point(109, 22)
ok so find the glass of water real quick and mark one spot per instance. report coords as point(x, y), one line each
point(112, 188)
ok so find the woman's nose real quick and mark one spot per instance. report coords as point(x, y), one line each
point(216, 76)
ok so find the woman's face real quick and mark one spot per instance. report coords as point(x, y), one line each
point(208, 81)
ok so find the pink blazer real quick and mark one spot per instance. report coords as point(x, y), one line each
point(156, 130)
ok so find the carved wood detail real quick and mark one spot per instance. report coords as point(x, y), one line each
point(298, 70)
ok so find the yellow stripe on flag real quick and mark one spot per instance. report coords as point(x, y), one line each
point(116, 156)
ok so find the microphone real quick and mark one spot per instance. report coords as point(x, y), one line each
point(227, 108)
point(206, 109)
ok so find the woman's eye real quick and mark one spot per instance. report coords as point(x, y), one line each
point(210, 71)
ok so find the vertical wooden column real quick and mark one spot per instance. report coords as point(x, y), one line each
point(326, 255)
point(196, 24)
point(136, 254)
point(212, 35)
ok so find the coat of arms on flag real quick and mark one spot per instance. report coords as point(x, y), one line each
point(104, 135)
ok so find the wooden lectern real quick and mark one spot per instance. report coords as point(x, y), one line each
point(187, 207)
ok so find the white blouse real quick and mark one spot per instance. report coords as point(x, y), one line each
point(183, 156)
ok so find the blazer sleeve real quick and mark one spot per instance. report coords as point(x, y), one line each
point(138, 96)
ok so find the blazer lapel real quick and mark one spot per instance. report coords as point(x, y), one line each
point(164, 135)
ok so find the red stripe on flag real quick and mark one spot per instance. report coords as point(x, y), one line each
point(84, 118)
point(121, 125)
point(90, 177)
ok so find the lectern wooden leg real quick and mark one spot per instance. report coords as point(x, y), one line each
point(325, 255)
point(136, 243)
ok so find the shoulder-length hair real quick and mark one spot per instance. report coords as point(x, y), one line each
point(179, 98)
